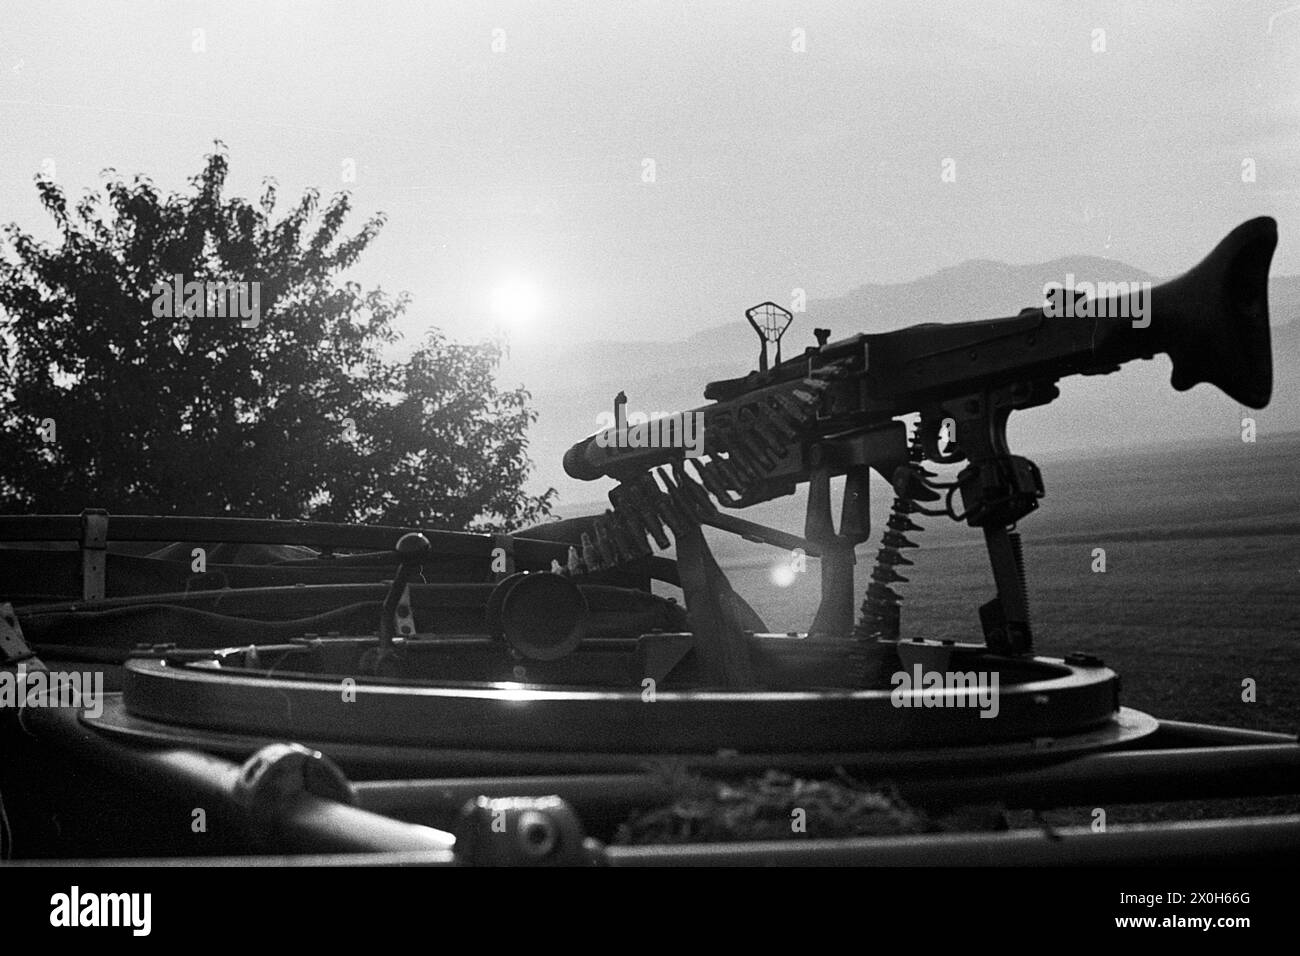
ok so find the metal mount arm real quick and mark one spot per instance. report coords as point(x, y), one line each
point(883, 449)
point(997, 490)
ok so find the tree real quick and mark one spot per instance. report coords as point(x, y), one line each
point(115, 393)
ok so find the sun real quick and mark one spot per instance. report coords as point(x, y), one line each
point(516, 303)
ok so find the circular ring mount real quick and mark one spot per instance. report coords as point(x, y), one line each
point(1037, 698)
point(377, 759)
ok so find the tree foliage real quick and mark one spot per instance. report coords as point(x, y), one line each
point(306, 415)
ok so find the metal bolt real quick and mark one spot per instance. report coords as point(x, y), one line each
point(538, 835)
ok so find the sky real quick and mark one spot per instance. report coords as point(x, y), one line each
point(794, 145)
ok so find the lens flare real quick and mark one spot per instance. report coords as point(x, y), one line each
point(782, 575)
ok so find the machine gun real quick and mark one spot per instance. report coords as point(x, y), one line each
point(833, 410)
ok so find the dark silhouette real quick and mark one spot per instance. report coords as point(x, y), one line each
point(117, 393)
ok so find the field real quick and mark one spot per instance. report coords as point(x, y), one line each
point(1201, 588)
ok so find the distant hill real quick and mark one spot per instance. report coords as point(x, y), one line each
point(572, 384)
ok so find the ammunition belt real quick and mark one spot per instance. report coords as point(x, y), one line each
point(880, 615)
point(742, 449)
